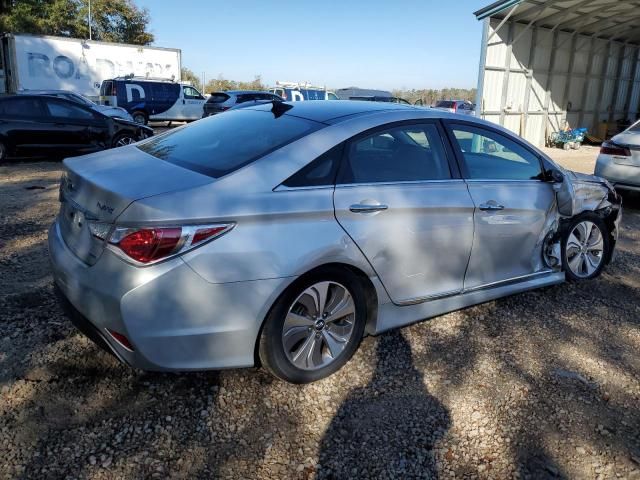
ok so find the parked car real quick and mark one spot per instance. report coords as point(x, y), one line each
point(347, 93)
point(115, 112)
point(284, 232)
point(463, 107)
point(619, 159)
point(373, 98)
point(298, 92)
point(155, 100)
point(45, 126)
point(221, 101)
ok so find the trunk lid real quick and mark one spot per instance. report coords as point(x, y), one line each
point(96, 189)
point(631, 140)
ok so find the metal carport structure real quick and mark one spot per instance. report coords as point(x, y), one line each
point(546, 62)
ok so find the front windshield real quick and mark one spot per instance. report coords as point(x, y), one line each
point(82, 99)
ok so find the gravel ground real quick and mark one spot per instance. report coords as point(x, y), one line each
point(544, 384)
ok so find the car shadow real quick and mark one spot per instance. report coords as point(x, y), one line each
point(393, 410)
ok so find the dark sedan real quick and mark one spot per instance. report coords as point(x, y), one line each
point(43, 126)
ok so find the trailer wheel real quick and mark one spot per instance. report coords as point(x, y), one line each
point(140, 117)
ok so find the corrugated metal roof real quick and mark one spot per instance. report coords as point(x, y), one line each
point(610, 19)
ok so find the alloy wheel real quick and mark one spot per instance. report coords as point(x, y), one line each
point(585, 249)
point(126, 140)
point(319, 325)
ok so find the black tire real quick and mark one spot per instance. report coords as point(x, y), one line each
point(606, 251)
point(123, 139)
point(271, 348)
point(140, 117)
point(3, 152)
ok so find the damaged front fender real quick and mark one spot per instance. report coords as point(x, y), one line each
point(578, 193)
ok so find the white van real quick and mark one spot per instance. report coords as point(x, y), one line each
point(153, 100)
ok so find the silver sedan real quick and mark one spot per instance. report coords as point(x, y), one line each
point(619, 159)
point(281, 234)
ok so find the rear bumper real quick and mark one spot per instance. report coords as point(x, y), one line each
point(624, 177)
point(174, 319)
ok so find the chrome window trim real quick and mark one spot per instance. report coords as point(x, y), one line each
point(281, 187)
point(408, 182)
point(503, 180)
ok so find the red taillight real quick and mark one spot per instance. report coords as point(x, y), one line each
point(610, 148)
point(203, 234)
point(121, 339)
point(151, 244)
point(224, 108)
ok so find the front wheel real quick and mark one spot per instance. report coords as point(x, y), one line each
point(315, 327)
point(124, 140)
point(585, 247)
point(140, 117)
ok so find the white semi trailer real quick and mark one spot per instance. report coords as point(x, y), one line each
point(30, 62)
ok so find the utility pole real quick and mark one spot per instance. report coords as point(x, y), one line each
point(89, 19)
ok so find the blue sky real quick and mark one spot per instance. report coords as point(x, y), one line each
point(371, 44)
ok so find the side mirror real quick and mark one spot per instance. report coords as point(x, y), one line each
point(555, 176)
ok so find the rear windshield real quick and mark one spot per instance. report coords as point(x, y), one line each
point(445, 104)
point(105, 88)
point(634, 128)
point(218, 98)
point(221, 144)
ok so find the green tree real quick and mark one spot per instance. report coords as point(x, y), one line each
point(221, 84)
point(111, 20)
point(188, 76)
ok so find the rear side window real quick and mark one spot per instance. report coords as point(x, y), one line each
point(247, 97)
point(320, 172)
point(21, 107)
point(492, 156)
point(221, 144)
point(445, 104)
point(106, 88)
point(399, 154)
point(68, 111)
point(218, 98)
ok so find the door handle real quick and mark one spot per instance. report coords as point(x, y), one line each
point(491, 205)
point(367, 208)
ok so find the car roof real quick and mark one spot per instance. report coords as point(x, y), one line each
point(327, 111)
point(240, 92)
point(41, 92)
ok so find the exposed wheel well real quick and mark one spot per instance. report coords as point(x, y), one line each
point(367, 284)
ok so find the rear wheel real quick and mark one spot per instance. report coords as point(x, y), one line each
point(123, 140)
point(585, 247)
point(315, 327)
point(140, 117)
point(3, 151)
